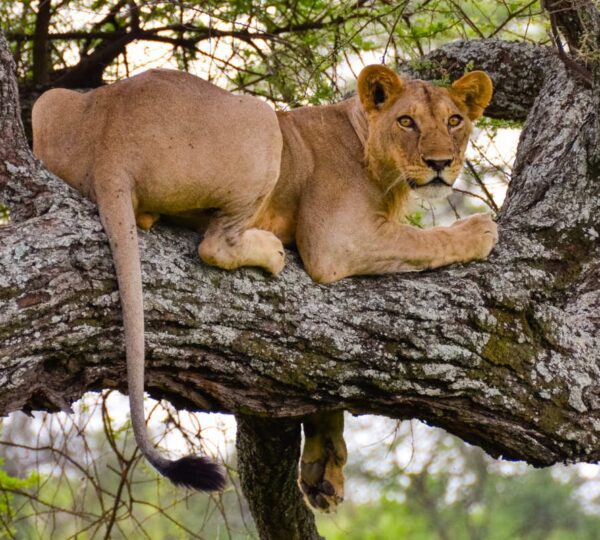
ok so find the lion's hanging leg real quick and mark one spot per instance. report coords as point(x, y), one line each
point(323, 460)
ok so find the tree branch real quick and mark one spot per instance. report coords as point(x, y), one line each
point(562, 14)
point(199, 32)
point(503, 353)
point(565, 14)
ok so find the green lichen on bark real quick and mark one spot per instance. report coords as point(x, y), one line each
point(512, 341)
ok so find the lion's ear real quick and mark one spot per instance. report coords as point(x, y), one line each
point(378, 85)
point(474, 90)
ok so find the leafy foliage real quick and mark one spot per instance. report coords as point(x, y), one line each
point(4, 214)
point(290, 52)
point(9, 485)
point(418, 483)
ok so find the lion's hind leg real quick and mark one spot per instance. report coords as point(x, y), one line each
point(228, 244)
point(323, 460)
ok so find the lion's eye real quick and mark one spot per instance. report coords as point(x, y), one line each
point(455, 120)
point(406, 121)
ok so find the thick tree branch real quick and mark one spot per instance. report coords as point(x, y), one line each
point(505, 353)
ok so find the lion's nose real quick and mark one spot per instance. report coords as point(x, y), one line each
point(438, 165)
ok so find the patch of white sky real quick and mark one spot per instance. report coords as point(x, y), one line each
point(366, 434)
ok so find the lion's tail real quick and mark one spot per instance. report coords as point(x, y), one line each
point(116, 212)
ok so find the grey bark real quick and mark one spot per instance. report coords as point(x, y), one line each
point(503, 353)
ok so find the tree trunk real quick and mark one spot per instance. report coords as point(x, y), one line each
point(269, 451)
point(41, 59)
point(503, 353)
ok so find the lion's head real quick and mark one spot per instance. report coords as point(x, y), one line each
point(418, 132)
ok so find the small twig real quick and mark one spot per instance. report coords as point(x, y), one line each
point(391, 34)
point(490, 199)
point(451, 204)
point(510, 17)
point(471, 194)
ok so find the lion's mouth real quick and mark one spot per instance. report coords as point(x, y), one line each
point(436, 181)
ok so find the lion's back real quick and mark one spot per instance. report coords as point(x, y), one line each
point(159, 125)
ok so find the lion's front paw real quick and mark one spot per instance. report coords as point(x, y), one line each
point(479, 236)
point(322, 481)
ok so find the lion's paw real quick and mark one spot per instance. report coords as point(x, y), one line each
point(265, 249)
point(322, 481)
point(481, 235)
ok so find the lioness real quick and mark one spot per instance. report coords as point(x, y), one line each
point(334, 179)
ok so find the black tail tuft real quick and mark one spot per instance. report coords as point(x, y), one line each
point(195, 472)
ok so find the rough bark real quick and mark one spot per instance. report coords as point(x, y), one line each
point(503, 353)
point(268, 455)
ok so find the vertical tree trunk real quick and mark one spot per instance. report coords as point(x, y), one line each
point(268, 455)
point(41, 64)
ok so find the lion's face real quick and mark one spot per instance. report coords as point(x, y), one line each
point(418, 133)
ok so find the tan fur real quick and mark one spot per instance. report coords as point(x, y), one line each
point(334, 179)
point(323, 459)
